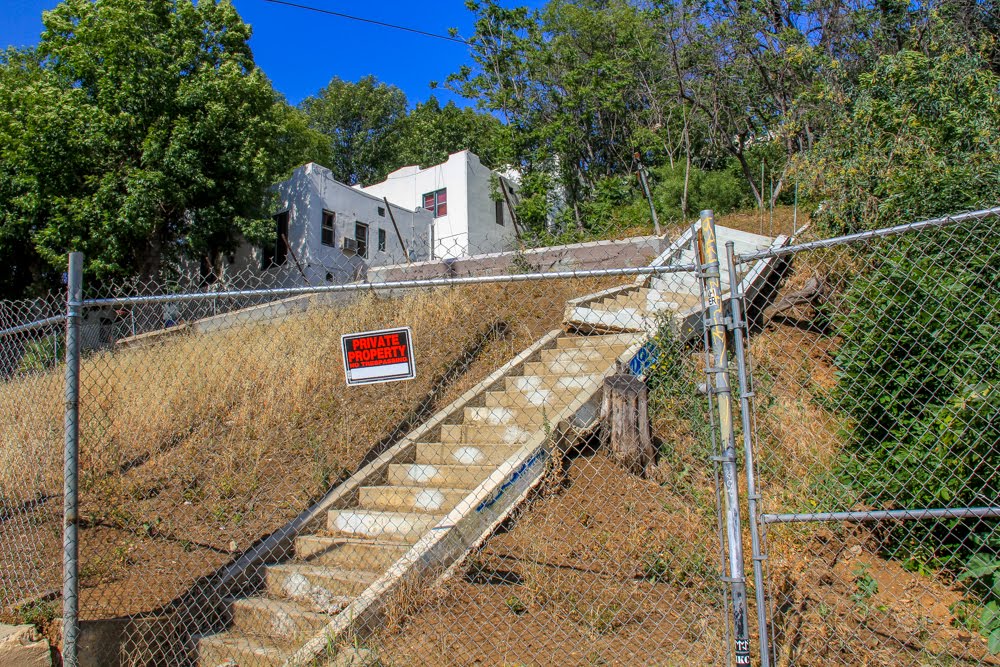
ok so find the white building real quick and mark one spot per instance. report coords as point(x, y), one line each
point(329, 232)
point(470, 213)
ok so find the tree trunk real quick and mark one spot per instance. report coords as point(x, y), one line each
point(626, 419)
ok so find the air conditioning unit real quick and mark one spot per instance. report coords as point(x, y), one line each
point(349, 246)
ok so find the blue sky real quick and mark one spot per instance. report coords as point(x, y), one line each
point(301, 50)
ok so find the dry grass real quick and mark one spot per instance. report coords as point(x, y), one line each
point(195, 447)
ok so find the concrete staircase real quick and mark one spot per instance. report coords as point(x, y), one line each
point(464, 465)
point(641, 306)
point(401, 521)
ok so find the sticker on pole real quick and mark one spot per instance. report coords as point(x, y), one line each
point(378, 356)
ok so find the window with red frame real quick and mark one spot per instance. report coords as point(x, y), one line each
point(437, 202)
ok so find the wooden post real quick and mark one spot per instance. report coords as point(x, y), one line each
point(388, 209)
point(513, 216)
point(626, 418)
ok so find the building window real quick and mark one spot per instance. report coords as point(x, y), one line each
point(499, 212)
point(361, 236)
point(381, 240)
point(276, 254)
point(381, 212)
point(437, 202)
point(329, 224)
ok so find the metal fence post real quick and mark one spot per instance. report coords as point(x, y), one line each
point(739, 350)
point(71, 621)
point(716, 323)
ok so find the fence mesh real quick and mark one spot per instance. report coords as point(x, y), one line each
point(32, 342)
point(875, 380)
point(546, 489)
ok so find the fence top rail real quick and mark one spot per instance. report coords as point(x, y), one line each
point(887, 515)
point(862, 236)
point(283, 292)
point(31, 326)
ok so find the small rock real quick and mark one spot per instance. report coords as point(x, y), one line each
point(20, 646)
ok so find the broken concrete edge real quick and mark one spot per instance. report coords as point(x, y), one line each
point(672, 252)
point(756, 277)
point(436, 554)
point(23, 646)
point(201, 602)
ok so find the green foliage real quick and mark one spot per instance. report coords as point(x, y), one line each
point(983, 572)
point(922, 138)
point(865, 585)
point(359, 120)
point(919, 374)
point(38, 613)
point(431, 132)
point(721, 191)
point(138, 131)
point(40, 355)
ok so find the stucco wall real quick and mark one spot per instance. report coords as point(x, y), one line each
point(470, 225)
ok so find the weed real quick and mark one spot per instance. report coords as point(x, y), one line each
point(38, 613)
point(516, 604)
point(865, 586)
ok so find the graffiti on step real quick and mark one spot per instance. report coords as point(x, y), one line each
point(516, 475)
point(643, 359)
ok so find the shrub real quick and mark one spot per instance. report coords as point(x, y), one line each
point(919, 376)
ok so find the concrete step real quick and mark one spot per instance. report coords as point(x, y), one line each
point(530, 384)
point(530, 418)
point(456, 453)
point(277, 621)
point(581, 353)
point(681, 283)
point(552, 399)
point(227, 649)
point(417, 474)
point(410, 498)
point(570, 367)
point(320, 587)
point(602, 341)
point(348, 553)
point(409, 526)
point(477, 432)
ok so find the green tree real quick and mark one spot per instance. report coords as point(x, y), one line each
point(360, 121)
point(921, 138)
point(431, 132)
point(918, 371)
point(140, 130)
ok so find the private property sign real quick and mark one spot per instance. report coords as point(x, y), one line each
point(378, 356)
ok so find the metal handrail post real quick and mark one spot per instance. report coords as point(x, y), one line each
point(716, 324)
point(71, 462)
point(739, 349)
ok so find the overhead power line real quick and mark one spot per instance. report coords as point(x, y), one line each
point(367, 20)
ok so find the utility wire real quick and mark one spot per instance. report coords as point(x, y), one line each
point(367, 20)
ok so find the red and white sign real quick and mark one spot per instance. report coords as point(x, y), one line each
point(378, 356)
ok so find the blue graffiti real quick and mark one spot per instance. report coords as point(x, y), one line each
point(516, 475)
point(643, 359)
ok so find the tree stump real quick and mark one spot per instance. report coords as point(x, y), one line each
point(626, 422)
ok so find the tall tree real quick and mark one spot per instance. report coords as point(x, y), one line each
point(360, 120)
point(141, 130)
point(431, 132)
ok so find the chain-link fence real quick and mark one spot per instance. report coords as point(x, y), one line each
point(874, 415)
point(558, 482)
point(32, 345)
